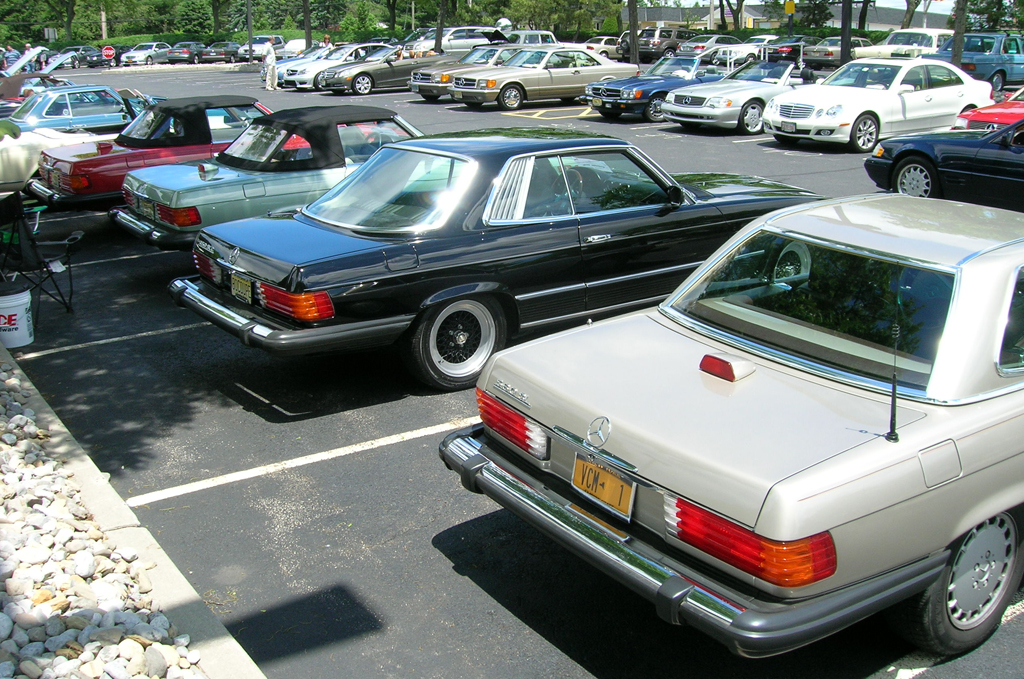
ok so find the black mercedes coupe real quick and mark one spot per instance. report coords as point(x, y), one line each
point(450, 245)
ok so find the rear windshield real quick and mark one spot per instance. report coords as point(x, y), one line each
point(913, 39)
point(840, 309)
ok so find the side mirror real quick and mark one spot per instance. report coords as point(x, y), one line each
point(391, 58)
point(906, 88)
point(701, 74)
point(675, 196)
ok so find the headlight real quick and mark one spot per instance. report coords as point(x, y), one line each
point(960, 124)
point(627, 94)
point(718, 102)
point(590, 90)
point(772, 105)
point(834, 111)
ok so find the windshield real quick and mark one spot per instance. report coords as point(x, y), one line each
point(835, 308)
point(867, 75)
point(380, 53)
point(183, 45)
point(528, 59)
point(480, 55)
point(144, 46)
point(395, 189)
point(756, 41)
point(914, 39)
point(668, 65)
point(760, 71)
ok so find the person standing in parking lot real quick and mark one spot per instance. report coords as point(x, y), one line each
point(11, 55)
point(270, 59)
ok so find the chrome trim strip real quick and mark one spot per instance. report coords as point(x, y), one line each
point(707, 602)
point(590, 312)
point(585, 447)
point(550, 291)
point(644, 274)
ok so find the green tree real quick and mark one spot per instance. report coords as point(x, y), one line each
point(817, 13)
point(194, 16)
point(987, 15)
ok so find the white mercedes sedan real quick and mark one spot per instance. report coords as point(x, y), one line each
point(871, 99)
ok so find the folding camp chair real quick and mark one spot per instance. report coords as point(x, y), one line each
point(38, 261)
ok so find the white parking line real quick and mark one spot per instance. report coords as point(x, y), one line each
point(747, 141)
point(119, 259)
point(255, 472)
point(112, 340)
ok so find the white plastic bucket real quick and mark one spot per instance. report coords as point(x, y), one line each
point(15, 315)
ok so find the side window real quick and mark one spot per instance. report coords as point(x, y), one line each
point(547, 195)
point(532, 39)
point(295, 148)
point(460, 34)
point(941, 76)
point(93, 103)
point(584, 60)
point(609, 180)
point(361, 140)
point(546, 39)
point(58, 108)
point(1011, 353)
point(561, 60)
point(1011, 46)
point(915, 77)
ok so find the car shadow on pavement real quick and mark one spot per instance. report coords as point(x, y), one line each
point(297, 625)
point(612, 632)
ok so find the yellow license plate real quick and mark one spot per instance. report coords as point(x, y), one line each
point(604, 485)
point(241, 288)
point(597, 103)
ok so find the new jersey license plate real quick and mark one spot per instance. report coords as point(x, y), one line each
point(789, 127)
point(456, 95)
point(413, 87)
point(604, 485)
point(241, 288)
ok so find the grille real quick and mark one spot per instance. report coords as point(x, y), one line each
point(291, 71)
point(607, 92)
point(688, 100)
point(418, 77)
point(467, 83)
point(984, 125)
point(795, 111)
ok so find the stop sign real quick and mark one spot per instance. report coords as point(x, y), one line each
point(108, 52)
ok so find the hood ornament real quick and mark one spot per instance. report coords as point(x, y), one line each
point(599, 431)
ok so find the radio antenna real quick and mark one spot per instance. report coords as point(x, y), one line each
point(891, 436)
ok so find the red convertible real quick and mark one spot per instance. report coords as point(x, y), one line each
point(171, 131)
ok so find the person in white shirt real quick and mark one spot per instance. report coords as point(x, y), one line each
point(270, 59)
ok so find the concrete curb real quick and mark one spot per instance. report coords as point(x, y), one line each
point(221, 656)
point(240, 67)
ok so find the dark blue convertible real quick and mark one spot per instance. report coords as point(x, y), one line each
point(644, 94)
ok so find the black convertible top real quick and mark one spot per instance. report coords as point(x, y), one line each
point(316, 124)
point(191, 113)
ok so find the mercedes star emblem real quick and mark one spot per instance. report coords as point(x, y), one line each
point(686, 100)
point(599, 431)
point(233, 256)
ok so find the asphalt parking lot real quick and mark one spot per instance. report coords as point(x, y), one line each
point(304, 499)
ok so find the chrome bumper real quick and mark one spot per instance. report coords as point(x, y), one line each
point(288, 341)
point(746, 625)
point(57, 199)
point(154, 235)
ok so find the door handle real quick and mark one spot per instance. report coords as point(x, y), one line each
point(960, 93)
point(576, 72)
point(927, 98)
point(598, 238)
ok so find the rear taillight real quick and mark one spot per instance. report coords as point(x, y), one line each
point(518, 429)
point(698, 48)
point(206, 267)
point(785, 50)
point(129, 197)
point(302, 306)
point(793, 563)
point(74, 182)
point(178, 216)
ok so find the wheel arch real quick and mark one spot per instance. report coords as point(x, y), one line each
point(1009, 499)
point(521, 86)
point(912, 152)
point(498, 291)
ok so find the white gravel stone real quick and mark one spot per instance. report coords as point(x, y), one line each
point(85, 564)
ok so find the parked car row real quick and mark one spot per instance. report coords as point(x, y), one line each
point(887, 330)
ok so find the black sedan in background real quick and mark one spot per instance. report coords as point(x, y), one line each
point(975, 166)
point(97, 60)
point(450, 245)
point(220, 51)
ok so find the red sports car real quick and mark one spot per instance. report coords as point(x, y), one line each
point(171, 131)
point(995, 116)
